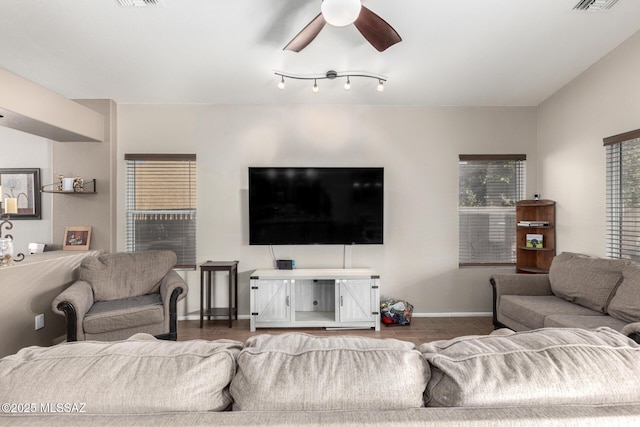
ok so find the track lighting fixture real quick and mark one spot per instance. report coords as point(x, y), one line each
point(330, 75)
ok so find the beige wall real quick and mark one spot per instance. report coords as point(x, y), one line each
point(27, 289)
point(603, 101)
point(22, 150)
point(89, 160)
point(418, 147)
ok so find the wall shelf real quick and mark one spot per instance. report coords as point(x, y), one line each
point(89, 188)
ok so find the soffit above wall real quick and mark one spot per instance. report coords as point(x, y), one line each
point(36, 127)
point(27, 107)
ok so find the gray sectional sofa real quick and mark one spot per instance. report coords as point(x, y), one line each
point(534, 378)
point(579, 292)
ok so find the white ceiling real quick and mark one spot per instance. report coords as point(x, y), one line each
point(453, 53)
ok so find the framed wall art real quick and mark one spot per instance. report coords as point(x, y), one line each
point(20, 193)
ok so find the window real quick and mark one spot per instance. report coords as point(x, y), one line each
point(623, 195)
point(489, 187)
point(161, 204)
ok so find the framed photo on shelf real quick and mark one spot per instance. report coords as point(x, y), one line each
point(20, 193)
point(77, 238)
point(534, 241)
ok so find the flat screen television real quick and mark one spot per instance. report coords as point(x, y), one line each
point(299, 206)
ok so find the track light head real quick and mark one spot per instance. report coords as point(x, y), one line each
point(380, 87)
point(315, 89)
point(347, 84)
point(281, 83)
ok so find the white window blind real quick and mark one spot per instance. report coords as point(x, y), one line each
point(489, 187)
point(623, 195)
point(161, 205)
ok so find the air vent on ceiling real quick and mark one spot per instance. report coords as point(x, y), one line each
point(139, 3)
point(595, 5)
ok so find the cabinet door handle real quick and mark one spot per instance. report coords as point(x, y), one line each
point(287, 300)
point(341, 301)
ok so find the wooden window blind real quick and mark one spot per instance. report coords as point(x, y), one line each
point(623, 195)
point(489, 187)
point(161, 205)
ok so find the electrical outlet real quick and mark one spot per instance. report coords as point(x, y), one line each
point(39, 321)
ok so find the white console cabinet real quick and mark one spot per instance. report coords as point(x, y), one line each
point(315, 298)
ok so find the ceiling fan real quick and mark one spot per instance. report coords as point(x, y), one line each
point(341, 13)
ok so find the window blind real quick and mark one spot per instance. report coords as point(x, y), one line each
point(623, 196)
point(489, 187)
point(161, 205)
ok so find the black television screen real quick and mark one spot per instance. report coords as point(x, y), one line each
point(291, 206)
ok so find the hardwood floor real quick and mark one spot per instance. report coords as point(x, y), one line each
point(421, 330)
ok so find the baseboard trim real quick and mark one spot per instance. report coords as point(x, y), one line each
point(196, 316)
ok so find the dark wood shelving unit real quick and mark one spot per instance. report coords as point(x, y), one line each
point(535, 260)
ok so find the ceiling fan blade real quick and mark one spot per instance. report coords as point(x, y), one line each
point(307, 34)
point(376, 30)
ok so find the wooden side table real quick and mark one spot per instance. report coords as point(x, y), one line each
point(206, 271)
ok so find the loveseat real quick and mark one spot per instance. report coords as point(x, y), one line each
point(579, 292)
point(533, 378)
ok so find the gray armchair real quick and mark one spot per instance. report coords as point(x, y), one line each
point(118, 295)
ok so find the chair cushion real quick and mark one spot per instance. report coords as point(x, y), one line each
point(534, 368)
point(135, 376)
point(124, 274)
point(625, 304)
point(298, 371)
point(107, 316)
point(531, 311)
point(584, 280)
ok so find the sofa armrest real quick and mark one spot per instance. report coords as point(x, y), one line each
point(632, 330)
point(172, 289)
point(517, 284)
point(521, 284)
point(74, 303)
point(169, 283)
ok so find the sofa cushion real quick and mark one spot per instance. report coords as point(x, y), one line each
point(126, 274)
point(297, 371)
point(586, 322)
point(139, 375)
point(531, 311)
point(625, 304)
point(531, 368)
point(584, 280)
point(107, 316)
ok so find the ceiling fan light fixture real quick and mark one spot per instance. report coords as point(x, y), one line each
point(340, 13)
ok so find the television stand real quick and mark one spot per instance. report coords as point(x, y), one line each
point(315, 298)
